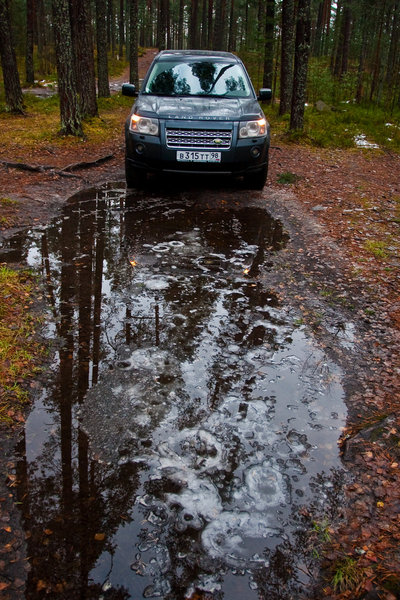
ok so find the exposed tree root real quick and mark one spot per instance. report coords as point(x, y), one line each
point(65, 172)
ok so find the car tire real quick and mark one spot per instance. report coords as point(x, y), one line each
point(134, 177)
point(257, 180)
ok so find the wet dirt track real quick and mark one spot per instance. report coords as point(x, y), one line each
point(188, 417)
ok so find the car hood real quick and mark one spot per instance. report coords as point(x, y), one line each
point(195, 108)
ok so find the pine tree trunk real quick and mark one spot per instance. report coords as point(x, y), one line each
point(210, 26)
point(269, 45)
point(377, 57)
point(336, 39)
point(302, 50)
point(193, 25)
point(219, 25)
point(30, 29)
point(69, 102)
point(133, 45)
point(347, 23)
point(232, 29)
point(204, 23)
point(82, 37)
point(12, 85)
point(287, 56)
point(102, 58)
point(394, 46)
point(111, 27)
point(180, 24)
point(121, 29)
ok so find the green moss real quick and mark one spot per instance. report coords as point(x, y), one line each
point(287, 177)
point(377, 248)
point(7, 202)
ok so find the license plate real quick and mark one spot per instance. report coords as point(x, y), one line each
point(195, 156)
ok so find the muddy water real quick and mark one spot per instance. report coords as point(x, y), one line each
point(187, 418)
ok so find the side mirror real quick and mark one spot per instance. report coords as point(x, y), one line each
point(265, 94)
point(128, 89)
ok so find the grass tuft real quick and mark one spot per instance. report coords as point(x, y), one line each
point(19, 349)
point(347, 575)
point(287, 177)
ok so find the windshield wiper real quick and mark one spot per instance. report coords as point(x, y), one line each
point(222, 71)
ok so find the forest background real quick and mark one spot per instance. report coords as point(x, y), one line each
point(340, 58)
point(334, 69)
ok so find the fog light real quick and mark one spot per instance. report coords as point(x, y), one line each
point(255, 152)
point(140, 148)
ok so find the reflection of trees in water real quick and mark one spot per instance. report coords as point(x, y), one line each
point(73, 504)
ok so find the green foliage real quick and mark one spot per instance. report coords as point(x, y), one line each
point(377, 248)
point(347, 574)
point(116, 66)
point(287, 177)
point(7, 202)
point(321, 85)
point(321, 528)
point(338, 128)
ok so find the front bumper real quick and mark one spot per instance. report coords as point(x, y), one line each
point(151, 153)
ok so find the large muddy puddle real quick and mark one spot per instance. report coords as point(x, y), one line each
point(187, 420)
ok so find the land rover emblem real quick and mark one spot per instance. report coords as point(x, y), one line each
point(218, 141)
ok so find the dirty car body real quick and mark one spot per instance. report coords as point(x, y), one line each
point(197, 112)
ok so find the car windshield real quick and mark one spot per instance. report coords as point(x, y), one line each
point(202, 78)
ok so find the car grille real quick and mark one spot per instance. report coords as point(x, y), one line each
point(199, 138)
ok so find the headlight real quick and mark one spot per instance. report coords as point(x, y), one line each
point(253, 128)
point(143, 125)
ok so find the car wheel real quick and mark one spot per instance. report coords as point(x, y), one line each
point(134, 177)
point(256, 181)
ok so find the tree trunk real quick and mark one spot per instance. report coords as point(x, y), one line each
point(12, 85)
point(82, 36)
point(232, 28)
point(219, 25)
point(41, 36)
point(394, 44)
point(30, 30)
point(317, 31)
point(287, 56)
point(269, 45)
point(111, 27)
point(133, 45)
point(180, 23)
point(69, 102)
point(336, 38)
point(121, 29)
point(193, 33)
point(162, 26)
point(347, 23)
point(210, 25)
point(377, 57)
point(204, 23)
point(102, 58)
point(363, 53)
point(302, 50)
